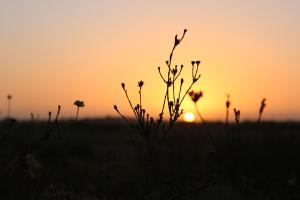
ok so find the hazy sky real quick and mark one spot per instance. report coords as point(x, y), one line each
point(56, 51)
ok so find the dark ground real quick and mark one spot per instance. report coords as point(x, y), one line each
point(105, 159)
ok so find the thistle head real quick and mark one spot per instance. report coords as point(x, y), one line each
point(79, 103)
point(140, 84)
point(195, 96)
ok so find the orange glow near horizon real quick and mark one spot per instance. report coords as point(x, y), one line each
point(189, 117)
point(53, 54)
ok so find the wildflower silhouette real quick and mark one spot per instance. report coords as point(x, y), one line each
point(155, 131)
point(227, 110)
point(9, 98)
point(227, 104)
point(195, 96)
point(261, 109)
point(237, 114)
point(79, 104)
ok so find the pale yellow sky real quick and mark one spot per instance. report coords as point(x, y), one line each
point(54, 52)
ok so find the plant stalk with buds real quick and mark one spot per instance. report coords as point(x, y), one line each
point(155, 131)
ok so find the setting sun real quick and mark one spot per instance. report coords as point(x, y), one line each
point(189, 117)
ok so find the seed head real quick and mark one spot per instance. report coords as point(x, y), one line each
point(262, 106)
point(79, 103)
point(123, 85)
point(228, 102)
point(116, 107)
point(174, 71)
point(140, 84)
point(195, 96)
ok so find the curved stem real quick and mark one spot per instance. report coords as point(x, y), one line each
point(77, 112)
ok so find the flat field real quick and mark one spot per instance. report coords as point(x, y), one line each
point(106, 159)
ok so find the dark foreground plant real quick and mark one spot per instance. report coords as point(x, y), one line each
point(79, 104)
point(9, 98)
point(261, 109)
point(154, 131)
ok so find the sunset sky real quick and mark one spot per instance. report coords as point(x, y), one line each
point(56, 51)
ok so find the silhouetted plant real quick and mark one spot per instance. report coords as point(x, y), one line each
point(237, 114)
point(79, 104)
point(227, 110)
point(227, 104)
point(9, 98)
point(261, 110)
point(195, 96)
point(155, 131)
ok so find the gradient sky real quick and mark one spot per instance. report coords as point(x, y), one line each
point(56, 51)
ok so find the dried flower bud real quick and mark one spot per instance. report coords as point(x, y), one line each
point(116, 107)
point(79, 103)
point(193, 62)
point(169, 83)
point(177, 41)
point(195, 96)
point(262, 106)
point(174, 71)
point(228, 102)
point(123, 85)
point(140, 84)
point(198, 62)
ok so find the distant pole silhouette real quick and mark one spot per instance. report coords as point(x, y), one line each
point(9, 97)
